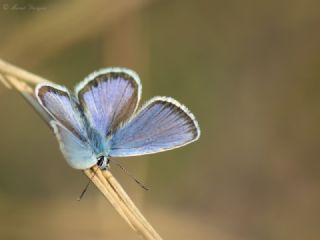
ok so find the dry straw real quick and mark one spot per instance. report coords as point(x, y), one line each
point(22, 81)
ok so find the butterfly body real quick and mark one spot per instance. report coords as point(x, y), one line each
point(99, 119)
point(99, 144)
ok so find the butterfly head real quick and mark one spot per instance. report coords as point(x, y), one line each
point(103, 162)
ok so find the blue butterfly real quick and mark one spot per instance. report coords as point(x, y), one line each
point(100, 119)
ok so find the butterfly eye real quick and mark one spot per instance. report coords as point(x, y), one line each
point(101, 160)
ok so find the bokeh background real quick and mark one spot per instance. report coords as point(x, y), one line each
point(248, 70)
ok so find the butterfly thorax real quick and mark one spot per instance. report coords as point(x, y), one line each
point(99, 144)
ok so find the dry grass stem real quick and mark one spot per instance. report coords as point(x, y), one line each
point(23, 82)
point(126, 199)
point(139, 222)
point(4, 82)
point(22, 75)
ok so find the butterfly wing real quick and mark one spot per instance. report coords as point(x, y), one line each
point(162, 124)
point(109, 97)
point(67, 124)
point(57, 102)
point(77, 152)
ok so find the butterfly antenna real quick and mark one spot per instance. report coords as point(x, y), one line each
point(129, 174)
point(87, 186)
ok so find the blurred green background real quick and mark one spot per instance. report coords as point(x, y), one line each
point(248, 70)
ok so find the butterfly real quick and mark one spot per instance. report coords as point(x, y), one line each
point(99, 119)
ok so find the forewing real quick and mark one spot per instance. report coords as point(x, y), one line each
point(161, 125)
point(109, 97)
point(58, 103)
point(77, 152)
